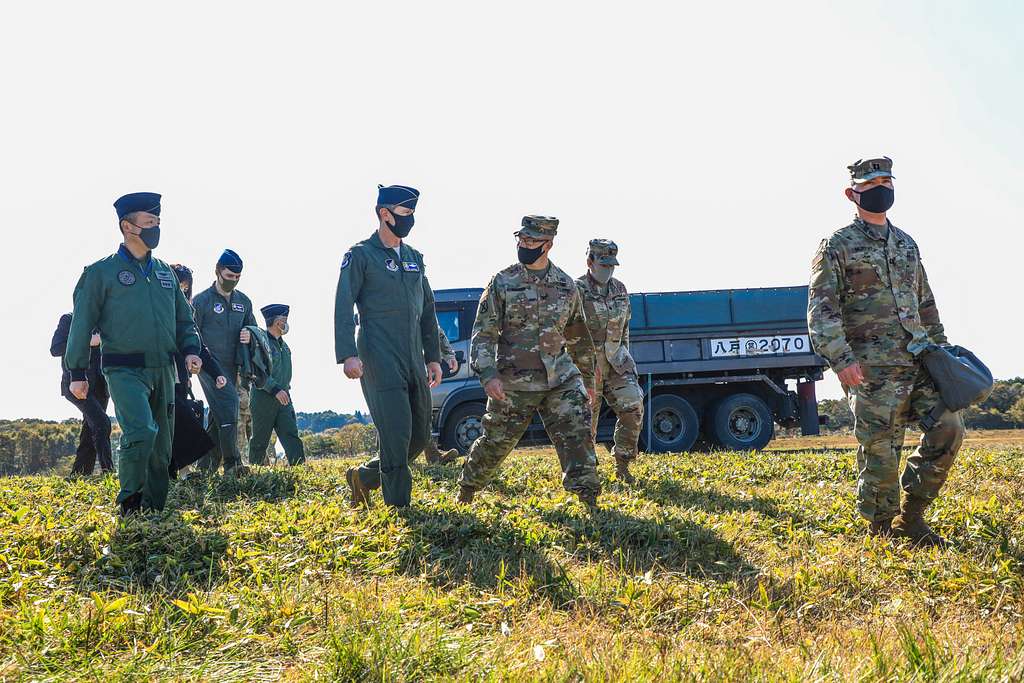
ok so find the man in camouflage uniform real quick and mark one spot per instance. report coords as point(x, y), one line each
point(433, 455)
point(532, 351)
point(871, 313)
point(606, 305)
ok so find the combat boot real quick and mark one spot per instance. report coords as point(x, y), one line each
point(465, 496)
point(131, 505)
point(910, 524)
point(622, 469)
point(590, 500)
point(882, 527)
point(360, 493)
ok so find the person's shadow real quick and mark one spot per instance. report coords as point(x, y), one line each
point(265, 484)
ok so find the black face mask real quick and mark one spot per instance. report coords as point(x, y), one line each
point(227, 285)
point(529, 256)
point(149, 236)
point(403, 225)
point(878, 199)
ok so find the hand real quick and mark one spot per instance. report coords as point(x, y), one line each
point(283, 398)
point(453, 365)
point(244, 336)
point(353, 367)
point(852, 376)
point(80, 389)
point(434, 374)
point(495, 389)
point(193, 363)
point(221, 382)
point(95, 339)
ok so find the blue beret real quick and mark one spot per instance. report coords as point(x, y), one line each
point(393, 195)
point(231, 261)
point(138, 201)
point(274, 311)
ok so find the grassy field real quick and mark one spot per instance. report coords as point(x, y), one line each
point(714, 566)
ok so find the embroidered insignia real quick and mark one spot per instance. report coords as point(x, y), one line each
point(391, 265)
point(126, 278)
point(218, 307)
point(346, 259)
point(238, 308)
point(410, 266)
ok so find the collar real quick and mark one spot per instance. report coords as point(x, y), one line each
point(538, 275)
point(145, 266)
point(376, 241)
point(228, 298)
point(871, 231)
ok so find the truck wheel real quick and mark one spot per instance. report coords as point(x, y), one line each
point(742, 422)
point(674, 426)
point(463, 426)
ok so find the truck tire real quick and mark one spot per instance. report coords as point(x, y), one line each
point(674, 428)
point(463, 426)
point(742, 422)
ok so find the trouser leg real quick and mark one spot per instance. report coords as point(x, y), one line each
point(503, 425)
point(878, 405)
point(223, 421)
point(566, 415)
point(101, 436)
point(264, 409)
point(928, 466)
point(287, 430)
point(626, 399)
point(131, 391)
point(162, 406)
point(244, 427)
point(392, 414)
point(85, 454)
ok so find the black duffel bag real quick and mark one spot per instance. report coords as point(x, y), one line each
point(962, 380)
point(191, 442)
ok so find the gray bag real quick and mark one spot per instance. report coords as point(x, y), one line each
point(961, 379)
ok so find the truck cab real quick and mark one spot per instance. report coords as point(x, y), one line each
point(715, 366)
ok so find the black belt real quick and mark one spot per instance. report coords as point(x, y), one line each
point(128, 360)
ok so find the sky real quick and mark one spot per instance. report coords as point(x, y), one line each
point(709, 140)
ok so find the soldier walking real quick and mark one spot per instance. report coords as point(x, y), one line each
point(606, 305)
point(272, 407)
point(871, 313)
point(386, 280)
point(533, 353)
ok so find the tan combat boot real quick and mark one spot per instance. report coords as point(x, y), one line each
point(590, 500)
point(360, 493)
point(622, 469)
point(465, 496)
point(881, 528)
point(910, 524)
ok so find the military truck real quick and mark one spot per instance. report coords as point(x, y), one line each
point(723, 367)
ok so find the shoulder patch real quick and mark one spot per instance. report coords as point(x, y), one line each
point(126, 278)
point(819, 255)
point(346, 259)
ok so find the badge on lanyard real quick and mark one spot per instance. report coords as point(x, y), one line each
point(391, 265)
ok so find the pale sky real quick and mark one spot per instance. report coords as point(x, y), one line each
point(710, 140)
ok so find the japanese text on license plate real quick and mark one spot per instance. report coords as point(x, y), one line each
point(737, 347)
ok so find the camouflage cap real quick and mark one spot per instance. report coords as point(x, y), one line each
point(864, 170)
point(603, 252)
point(539, 227)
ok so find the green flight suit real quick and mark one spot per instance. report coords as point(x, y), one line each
point(143, 320)
point(220, 320)
point(268, 415)
point(398, 334)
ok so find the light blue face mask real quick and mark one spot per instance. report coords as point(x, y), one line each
point(602, 273)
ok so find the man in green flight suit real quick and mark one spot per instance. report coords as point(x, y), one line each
point(386, 279)
point(871, 313)
point(222, 314)
point(606, 305)
point(271, 404)
point(143, 318)
point(533, 352)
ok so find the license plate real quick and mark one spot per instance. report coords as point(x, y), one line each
point(739, 347)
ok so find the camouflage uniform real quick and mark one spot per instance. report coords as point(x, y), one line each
point(870, 303)
point(529, 330)
point(607, 311)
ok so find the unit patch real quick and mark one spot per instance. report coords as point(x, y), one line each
point(346, 259)
point(126, 278)
point(218, 307)
point(391, 265)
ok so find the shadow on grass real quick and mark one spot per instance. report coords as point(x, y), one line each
point(671, 492)
point(268, 485)
point(451, 546)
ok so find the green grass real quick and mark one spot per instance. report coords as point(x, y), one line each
point(714, 566)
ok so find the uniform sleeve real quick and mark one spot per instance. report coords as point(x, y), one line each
point(927, 309)
point(210, 365)
point(88, 303)
point(447, 353)
point(824, 310)
point(250, 317)
point(198, 309)
point(483, 351)
point(629, 316)
point(188, 340)
point(428, 326)
point(59, 343)
point(578, 341)
point(350, 284)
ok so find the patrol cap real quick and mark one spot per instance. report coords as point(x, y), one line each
point(603, 252)
point(137, 201)
point(538, 227)
point(231, 261)
point(274, 311)
point(397, 195)
point(864, 170)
